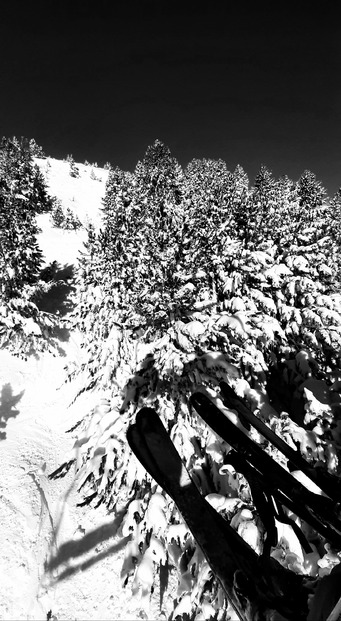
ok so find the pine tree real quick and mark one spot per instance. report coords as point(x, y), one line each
point(35, 149)
point(26, 179)
point(158, 205)
point(23, 328)
point(311, 192)
point(207, 230)
point(71, 220)
point(336, 216)
point(20, 200)
point(74, 170)
point(57, 214)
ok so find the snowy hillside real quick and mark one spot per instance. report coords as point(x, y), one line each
point(83, 195)
point(57, 561)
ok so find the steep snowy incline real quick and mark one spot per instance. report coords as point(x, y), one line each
point(83, 195)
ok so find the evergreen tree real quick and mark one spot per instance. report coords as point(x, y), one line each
point(311, 192)
point(35, 149)
point(142, 215)
point(57, 214)
point(74, 170)
point(335, 230)
point(71, 220)
point(158, 205)
point(20, 200)
point(336, 216)
point(23, 328)
point(314, 205)
point(116, 193)
point(24, 177)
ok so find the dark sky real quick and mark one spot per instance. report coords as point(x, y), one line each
point(249, 82)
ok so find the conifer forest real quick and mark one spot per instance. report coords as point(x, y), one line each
point(209, 308)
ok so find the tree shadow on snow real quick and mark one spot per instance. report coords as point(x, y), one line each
point(57, 299)
point(8, 401)
point(92, 542)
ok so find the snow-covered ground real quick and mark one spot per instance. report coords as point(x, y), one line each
point(54, 556)
point(83, 195)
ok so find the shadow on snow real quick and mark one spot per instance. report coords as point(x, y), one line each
point(71, 550)
point(7, 407)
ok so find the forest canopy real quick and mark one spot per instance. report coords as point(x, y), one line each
point(198, 283)
point(197, 278)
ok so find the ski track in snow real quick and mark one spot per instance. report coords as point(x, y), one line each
point(54, 555)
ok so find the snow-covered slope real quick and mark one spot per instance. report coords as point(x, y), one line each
point(55, 557)
point(83, 195)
